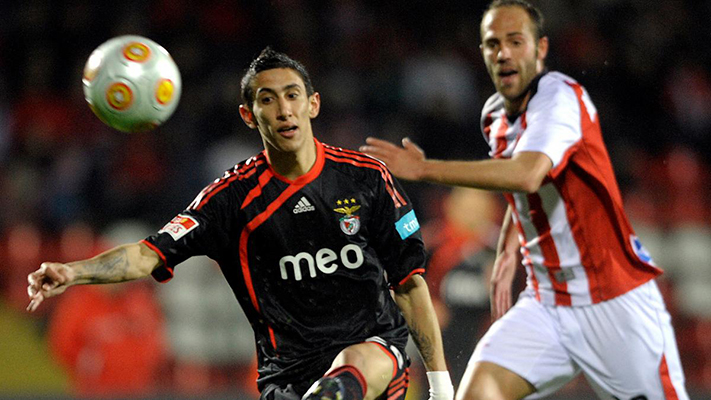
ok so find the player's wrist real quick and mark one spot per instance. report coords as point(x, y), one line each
point(73, 274)
point(426, 171)
point(441, 387)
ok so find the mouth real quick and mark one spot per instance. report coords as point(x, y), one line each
point(288, 131)
point(507, 75)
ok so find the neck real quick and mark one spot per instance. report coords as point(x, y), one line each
point(292, 165)
point(517, 105)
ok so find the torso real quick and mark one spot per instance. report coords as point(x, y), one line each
point(311, 261)
point(577, 244)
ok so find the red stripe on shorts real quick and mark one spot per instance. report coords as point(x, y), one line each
point(667, 386)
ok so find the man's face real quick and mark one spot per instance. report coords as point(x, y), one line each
point(282, 110)
point(512, 55)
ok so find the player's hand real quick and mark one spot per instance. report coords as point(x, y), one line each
point(500, 285)
point(406, 162)
point(49, 280)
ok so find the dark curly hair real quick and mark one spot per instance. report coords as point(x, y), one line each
point(270, 59)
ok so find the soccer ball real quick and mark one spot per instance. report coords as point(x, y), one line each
point(131, 83)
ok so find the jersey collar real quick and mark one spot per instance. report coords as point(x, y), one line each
point(314, 172)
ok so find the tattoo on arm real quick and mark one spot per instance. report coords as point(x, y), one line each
point(424, 344)
point(110, 268)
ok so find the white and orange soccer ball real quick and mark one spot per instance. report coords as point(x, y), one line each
point(131, 83)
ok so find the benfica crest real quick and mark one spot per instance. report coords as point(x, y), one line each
point(350, 224)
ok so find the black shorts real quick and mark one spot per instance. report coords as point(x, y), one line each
point(395, 391)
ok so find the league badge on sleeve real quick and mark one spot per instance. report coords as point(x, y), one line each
point(179, 226)
point(641, 252)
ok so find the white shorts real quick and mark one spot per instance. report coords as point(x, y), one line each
point(625, 346)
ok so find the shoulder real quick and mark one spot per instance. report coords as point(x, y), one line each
point(555, 82)
point(248, 167)
point(494, 103)
point(238, 179)
point(364, 171)
point(554, 90)
point(245, 173)
point(557, 76)
point(493, 109)
point(354, 163)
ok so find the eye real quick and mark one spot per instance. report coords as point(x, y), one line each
point(292, 95)
point(490, 45)
point(266, 99)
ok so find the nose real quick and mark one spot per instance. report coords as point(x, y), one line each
point(504, 53)
point(284, 109)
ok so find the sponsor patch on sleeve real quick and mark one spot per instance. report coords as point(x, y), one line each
point(407, 225)
point(179, 226)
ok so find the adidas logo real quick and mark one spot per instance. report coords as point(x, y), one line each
point(303, 206)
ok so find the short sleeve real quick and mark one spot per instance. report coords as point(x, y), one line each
point(552, 121)
point(193, 232)
point(397, 237)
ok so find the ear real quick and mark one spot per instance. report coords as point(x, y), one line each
point(314, 104)
point(247, 116)
point(542, 48)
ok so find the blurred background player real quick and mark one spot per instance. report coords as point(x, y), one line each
point(591, 288)
point(461, 242)
point(109, 339)
point(312, 239)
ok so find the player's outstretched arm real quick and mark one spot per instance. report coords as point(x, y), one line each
point(504, 269)
point(524, 172)
point(415, 303)
point(120, 264)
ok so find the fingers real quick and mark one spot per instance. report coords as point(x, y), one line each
point(378, 147)
point(51, 281)
point(493, 310)
point(35, 302)
point(499, 306)
point(33, 291)
point(380, 143)
point(53, 275)
point(500, 302)
point(43, 283)
point(505, 304)
point(494, 300)
point(409, 144)
point(375, 145)
point(33, 283)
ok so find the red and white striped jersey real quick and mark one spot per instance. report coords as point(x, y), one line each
point(577, 244)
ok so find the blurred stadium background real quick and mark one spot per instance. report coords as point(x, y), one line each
point(71, 187)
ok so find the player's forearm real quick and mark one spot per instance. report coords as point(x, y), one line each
point(122, 263)
point(508, 241)
point(523, 173)
point(415, 303)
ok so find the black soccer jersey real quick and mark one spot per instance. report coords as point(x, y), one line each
point(311, 260)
